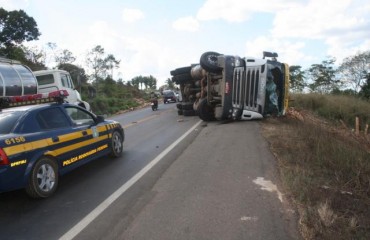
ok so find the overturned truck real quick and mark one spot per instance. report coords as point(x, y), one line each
point(224, 87)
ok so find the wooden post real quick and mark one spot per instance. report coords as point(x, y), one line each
point(357, 126)
point(366, 129)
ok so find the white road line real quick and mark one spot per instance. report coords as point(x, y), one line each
point(107, 202)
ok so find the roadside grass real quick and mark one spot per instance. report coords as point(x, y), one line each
point(111, 105)
point(335, 107)
point(326, 173)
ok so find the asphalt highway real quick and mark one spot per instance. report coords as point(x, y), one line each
point(179, 178)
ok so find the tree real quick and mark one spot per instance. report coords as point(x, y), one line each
point(297, 78)
point(65, 57)
point(100, 64)
point(152, 82)
point(354, 69)
point(135, 82)
point(139, 81)
point(323, 76)
point(34, 58)
point(170, 84)
point(16, 27)
point(365, 89)
point(111, 62)
point(95, 60)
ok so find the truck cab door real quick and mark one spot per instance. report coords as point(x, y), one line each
point(67, 84)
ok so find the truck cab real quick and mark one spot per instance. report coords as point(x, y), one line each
point(225, 87)
point(53, 80)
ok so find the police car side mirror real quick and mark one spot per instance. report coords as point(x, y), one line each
point(100, 119)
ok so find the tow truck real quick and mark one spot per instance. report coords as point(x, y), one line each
point(42, 137)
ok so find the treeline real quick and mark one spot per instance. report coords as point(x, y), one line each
point(351, 77)
point(97, 84)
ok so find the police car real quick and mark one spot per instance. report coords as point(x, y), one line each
point(40, 142)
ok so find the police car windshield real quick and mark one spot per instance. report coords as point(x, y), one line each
point(8, 121)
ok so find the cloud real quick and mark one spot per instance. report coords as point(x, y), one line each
point(319, 19)
point(142, 56)
point(339, 50)
point(10, 5)
point(189, 24)
point(132, 15)
point(240, 10)
point(289, 51)
point(340, 24)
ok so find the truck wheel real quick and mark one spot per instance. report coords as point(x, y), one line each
point(182, 78)
point(189, 113)
point(187, 106)
point(43, 179)
point(208, 61)
point(116, 145)
point(205, 111)
point(182, 70)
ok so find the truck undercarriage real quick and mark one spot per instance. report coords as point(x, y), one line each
point(224, 87)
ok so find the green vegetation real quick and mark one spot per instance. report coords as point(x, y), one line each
point(335, 107)
point(325, 168)
point(352, 77)
point(110, 97)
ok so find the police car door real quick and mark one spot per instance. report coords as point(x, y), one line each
point(90, 134)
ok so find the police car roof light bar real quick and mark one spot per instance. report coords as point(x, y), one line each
point(14, 101)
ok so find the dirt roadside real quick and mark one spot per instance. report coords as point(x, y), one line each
point(329, 207)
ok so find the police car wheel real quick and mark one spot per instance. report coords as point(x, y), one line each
point(116, 144)
point(43, 179)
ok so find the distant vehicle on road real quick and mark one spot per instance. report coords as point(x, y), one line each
point(40, 142)
point(169, 96)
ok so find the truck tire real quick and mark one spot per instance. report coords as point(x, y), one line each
point(189, 113)
point(208, 61)
point(182, 70)
point(205, 111)
point(187, 106)
point(182, 78)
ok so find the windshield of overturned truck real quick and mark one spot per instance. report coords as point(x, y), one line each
point(225, 87)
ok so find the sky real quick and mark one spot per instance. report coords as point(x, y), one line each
point(153, 37)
